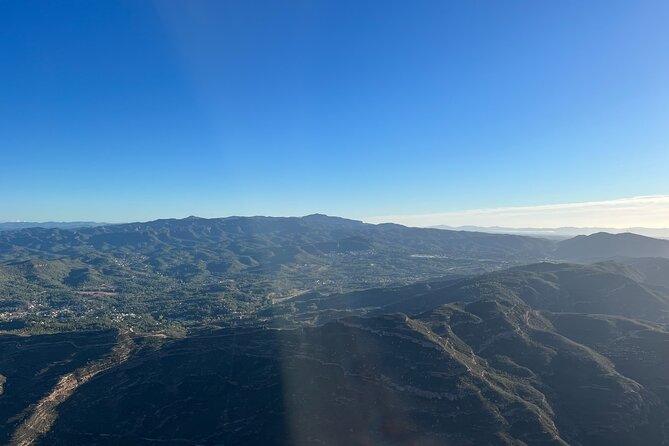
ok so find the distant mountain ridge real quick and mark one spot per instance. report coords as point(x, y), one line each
point(560, 232)
point(195, 268)
point(603, 245)
point(256, 241)
point(16, 225)
point(260, 242)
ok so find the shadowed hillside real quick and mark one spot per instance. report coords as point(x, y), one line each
point(544, 354)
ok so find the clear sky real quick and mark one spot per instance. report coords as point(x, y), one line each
point(134, 110)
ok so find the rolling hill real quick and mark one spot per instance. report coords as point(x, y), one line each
point(529, 355)
point(198, 269)
point(322, 330)
point(16, 225)
point(603, 245)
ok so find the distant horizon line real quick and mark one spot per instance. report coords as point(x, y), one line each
point(649, 212)
point(644, 211)
point(436, 226)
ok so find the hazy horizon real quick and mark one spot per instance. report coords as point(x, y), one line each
point(623, 214)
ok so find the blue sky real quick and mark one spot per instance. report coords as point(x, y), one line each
point(134, 110)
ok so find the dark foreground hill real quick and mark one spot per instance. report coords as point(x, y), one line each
point(546, 354)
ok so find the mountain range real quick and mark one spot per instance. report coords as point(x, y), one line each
point(602, 245)
point(560, 233)
point(14, 225)
point(195, 268)
point(322, 330)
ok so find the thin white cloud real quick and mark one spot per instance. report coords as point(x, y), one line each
point(646, 211)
